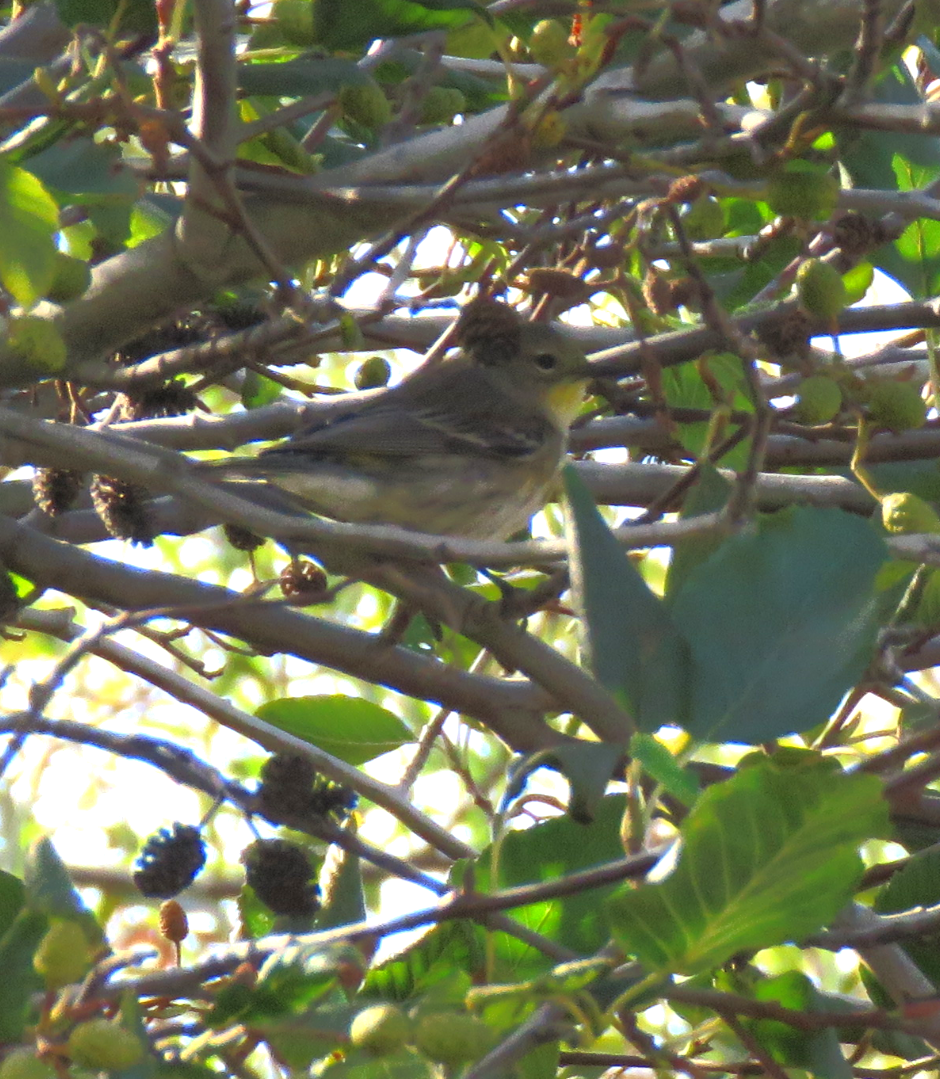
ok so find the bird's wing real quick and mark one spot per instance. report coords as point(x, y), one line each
point(408, 421)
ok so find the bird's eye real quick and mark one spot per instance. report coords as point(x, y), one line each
point(546, 361)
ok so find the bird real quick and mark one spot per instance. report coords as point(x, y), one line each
point(468, 446)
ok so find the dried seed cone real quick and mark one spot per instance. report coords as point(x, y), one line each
point(169, 861)
point(331, 799)
point(172, 399)
point(242, 539)
point(559, 283)
point(174, 924)
point(55, 489)
point(489, 329)
point(279, 872)
point(286, 785)
point(123, 510)
point(303, 582)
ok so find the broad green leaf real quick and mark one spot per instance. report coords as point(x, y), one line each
point(781, 623)
point(546, 852)
point(914, 258)
point(49, 887)
point(635, 649)
point(256, 920)
point(353, 729)
point(305, 76)
point(17, 947)
point(258, 390)
point(916, 884)
point(136, 16)
point(338, 24)
point(817, 1051)
point(858, 281)
point(29, 218)
point(343, 900)
point(298, 1040)
point(432, 961)
point(85, 170)
point(659, 763)
point(688, 386)
point(12, 897)
point(540, 1063)
point(899, 161)
point(768, 856)
point(708, 494)
point(358, 1065)
point(588, 767)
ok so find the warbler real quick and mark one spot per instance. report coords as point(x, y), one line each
point(470, 446)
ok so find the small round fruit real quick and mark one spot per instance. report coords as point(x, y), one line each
point(365, 103)
point(811, 195)
point(897, 406)
point(452, 1038)
point(704, 219)
point(380, 1030)
point(818, 400)
point(24, 1064)
point(441, 104)
point(820, 288)
point(373, 374)
point(549, 45)
point(72, 277)
point(906, 512)
point(63, 955)
point(100, 1044)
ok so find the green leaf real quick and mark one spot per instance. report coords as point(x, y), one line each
point(916, 884)
point(12, 898)
point(402, 1065)
point(658, 762)
point(305, 76)
point(684, 387)
point(589, 768)
point(544, 853)
point(337, 24)
point(899, 161)
point(29, 218)
point(540, 1063)
point(768, 856)
point(429, 963)
point(635, 649)
point(256, 920)
point(817, 1051)
point(49, 887)
point(781, 623)
point(344, 902)
point(858, 281)
point(708, 494)
point(136, 16)
point(17, 947)
point(86, 171)
point(350, 728)
point(258, 390)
